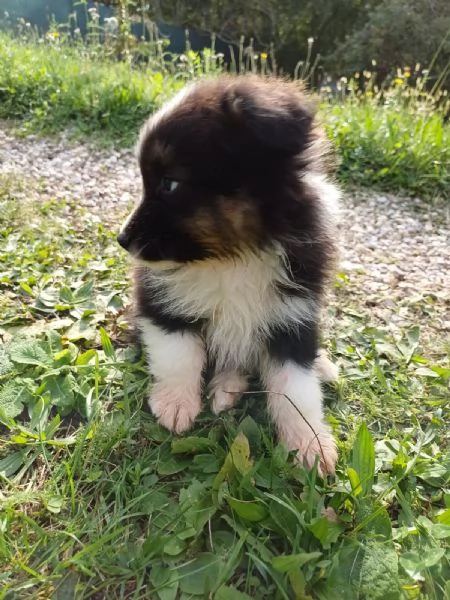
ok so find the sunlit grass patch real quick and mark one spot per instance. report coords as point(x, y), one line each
point(392, 137)
point(395, 138)
point(98, 501)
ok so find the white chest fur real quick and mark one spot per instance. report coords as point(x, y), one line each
point(239, 302)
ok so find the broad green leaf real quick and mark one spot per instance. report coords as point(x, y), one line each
point(284, 564)
point(54, 504)
point(31, 353)
point(172, 465)
point(5, 364)
point(354, 481)
point(39, 413)
point(379, 572)
point(280, 456)
point(26, 288)
point(174, 546)
point(251, 431)
point(206, 463)
point(106, 344)
point(222, 540)
point(82, 329)
point(238, 459)
point(240, 454)
point(165, 581)
point(199, 576)
point(12, 463)
point(196, 505)
point(229, 592)
point(48, 297)
point(363, 458)
point(389, 350)
point(13, 396)
point(60, 390)
point(84, 292)
point(249, 511)
point(343, 577)
point(153, 545)
point(194, 493)
point(374, 518)
point(298, 583)
point(192, 445)
point(325, 531)
point(444, 517)
point(440, 531)
point(63, 357)
point(441, 371)
point(415, 564)
point(433, 472)
point(87, 356)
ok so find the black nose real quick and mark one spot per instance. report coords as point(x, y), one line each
point(124, 240)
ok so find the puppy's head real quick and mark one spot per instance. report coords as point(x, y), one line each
point(220, 165)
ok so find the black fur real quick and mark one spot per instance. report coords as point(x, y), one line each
point(298, 343)
point(238, 148)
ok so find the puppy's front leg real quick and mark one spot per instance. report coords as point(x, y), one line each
point(176, 362)
point(295, 398)
point(295, 405)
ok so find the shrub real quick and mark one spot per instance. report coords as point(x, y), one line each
point(394, 138)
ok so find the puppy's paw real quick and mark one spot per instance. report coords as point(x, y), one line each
point(326, 370)
point(175, 407)
point(226, 390)
point(309, 445)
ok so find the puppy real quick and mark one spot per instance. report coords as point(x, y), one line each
point(234, 240)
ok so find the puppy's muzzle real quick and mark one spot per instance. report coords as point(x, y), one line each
point(124, 239)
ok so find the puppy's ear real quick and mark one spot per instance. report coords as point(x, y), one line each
point(280, 121)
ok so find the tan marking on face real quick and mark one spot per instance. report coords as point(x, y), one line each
point(227, 228)
point(208, 230)
point(242, 217)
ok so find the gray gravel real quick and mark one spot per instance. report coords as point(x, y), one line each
point(395, 251)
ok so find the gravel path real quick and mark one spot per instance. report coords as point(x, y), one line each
point(395, 251)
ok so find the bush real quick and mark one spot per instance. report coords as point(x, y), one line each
point(394, 138)
point(53, 87)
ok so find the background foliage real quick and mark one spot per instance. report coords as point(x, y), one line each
point(349, 34)
point(96, 499)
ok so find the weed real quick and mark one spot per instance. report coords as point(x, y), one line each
point(392, 137)
point(98, 501)
point(395, 138)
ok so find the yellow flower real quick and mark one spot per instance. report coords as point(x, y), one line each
point(263, 56)
point(398, 81)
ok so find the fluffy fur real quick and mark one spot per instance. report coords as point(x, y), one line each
point(234, 239)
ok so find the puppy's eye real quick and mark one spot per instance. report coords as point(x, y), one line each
point(169, 185)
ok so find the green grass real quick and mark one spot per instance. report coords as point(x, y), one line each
point(98, 501)
point(396, 140)
point(393, 148)
point(53, 87)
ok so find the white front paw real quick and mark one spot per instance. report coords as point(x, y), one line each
point(326, 370)
point(309, 445)
point(226, 390)
point(175, 407)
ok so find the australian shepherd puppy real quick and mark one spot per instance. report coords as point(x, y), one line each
point(234, 240)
